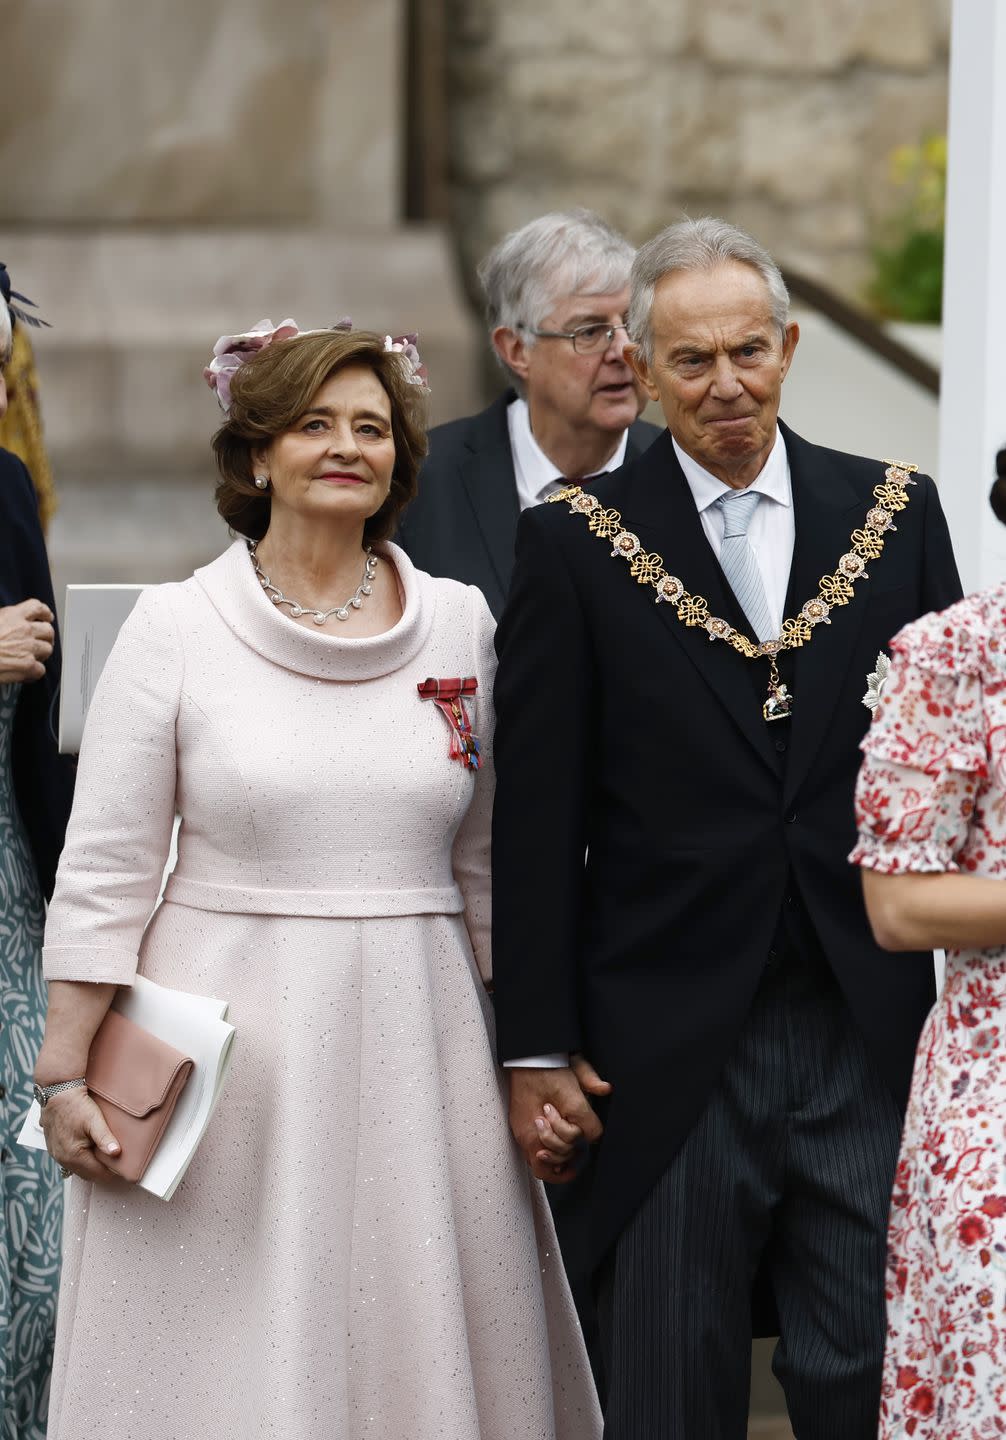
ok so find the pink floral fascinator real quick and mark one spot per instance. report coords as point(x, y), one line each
point(231, 351)
point(407, 346)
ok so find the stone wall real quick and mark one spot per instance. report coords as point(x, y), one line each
point(778, 115)
point(177, 171)
point(174, 171)
point(235, 111)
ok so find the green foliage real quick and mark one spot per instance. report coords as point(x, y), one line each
point(908, 278)
point(907, 281)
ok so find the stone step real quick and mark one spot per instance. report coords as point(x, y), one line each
point(139, 526)
point(134, 314)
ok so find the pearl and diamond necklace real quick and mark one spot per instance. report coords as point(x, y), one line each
point(341, 612)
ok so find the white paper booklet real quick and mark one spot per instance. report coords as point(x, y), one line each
point(197, 1026)
point(91, 622)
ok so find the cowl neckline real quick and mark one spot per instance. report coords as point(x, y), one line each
point(233, 589)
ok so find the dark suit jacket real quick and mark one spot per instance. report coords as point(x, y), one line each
point(43, 779)
point(463, 522)
point(624, 735)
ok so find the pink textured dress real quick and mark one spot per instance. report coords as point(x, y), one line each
point(931, 798)
point(357, 1249)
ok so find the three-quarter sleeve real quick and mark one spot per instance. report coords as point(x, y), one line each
point(473, 842)
point(925, 754)
point(120, 827)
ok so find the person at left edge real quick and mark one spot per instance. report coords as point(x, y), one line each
point(556, 292)
point(355, 1250)
point(36, 788)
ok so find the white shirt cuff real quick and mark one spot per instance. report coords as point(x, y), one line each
point(556, 1061)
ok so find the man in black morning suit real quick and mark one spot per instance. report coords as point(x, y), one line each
point(556, 292)
point(711, 962)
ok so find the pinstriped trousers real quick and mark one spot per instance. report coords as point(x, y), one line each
point(787, 1174)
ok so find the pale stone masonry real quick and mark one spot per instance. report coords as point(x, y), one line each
point(779, 115)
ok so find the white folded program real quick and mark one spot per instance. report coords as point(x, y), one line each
point(197, 1026)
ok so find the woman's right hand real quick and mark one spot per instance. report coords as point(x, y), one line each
point(26, 640)
point(77, 1136)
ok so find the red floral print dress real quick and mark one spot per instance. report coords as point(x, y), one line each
point(932, 797)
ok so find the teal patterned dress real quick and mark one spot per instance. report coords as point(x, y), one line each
point(31, 1216)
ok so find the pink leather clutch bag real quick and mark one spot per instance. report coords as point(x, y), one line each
point(136, 1080)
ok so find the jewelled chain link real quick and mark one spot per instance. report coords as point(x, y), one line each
point(647, 567)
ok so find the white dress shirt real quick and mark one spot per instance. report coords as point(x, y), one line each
point(537, 478)
point(771, 535)
point(772, 530)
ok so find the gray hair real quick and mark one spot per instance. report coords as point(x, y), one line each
point(6, 333)
point(697, 245)
point(567, 252)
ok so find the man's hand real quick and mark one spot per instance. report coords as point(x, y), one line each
point(26, 641)
point(550, 1114)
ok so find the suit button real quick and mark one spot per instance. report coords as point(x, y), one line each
point(772, 959)
point(791, 818)
point(780, 745)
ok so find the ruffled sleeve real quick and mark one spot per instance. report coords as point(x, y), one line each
point(926, 752)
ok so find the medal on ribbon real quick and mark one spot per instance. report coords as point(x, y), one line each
point(449, 696)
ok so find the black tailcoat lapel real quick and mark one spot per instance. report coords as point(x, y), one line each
point(489, 483)
point(660, 509)
point(826, 511)
point(640, 437)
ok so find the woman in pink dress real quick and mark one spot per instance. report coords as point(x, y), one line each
point(356, 1252)
point(931, 806)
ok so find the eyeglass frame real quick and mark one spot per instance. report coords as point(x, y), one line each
point(609, 330)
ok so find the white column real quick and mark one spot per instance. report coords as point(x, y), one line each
point(973, 399)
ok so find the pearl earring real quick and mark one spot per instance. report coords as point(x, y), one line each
point(262, 482)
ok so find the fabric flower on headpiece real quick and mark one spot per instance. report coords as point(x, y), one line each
point(231, 351)
point(407, 347)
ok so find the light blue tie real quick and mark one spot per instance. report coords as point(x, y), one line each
point(738, 562)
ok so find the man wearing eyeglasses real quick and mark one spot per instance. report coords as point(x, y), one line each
point(556, 293)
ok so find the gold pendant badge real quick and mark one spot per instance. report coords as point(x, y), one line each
point(779, 705)
point(834, 590)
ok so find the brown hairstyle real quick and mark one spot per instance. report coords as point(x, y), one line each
point(997, 495)
point(276, 386)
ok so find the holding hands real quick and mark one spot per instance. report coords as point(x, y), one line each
point(26, 641)
point(550, 1114)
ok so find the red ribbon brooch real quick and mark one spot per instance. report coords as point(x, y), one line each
point(449, 697)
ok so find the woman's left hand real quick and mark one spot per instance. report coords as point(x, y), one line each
point(77, 1136)
point(559, 1138)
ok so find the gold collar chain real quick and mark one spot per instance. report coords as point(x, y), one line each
point(647, 568)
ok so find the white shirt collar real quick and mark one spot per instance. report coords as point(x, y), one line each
point(773, 482)
point(536, 475)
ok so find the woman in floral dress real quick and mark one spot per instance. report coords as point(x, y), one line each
point(931, 806)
